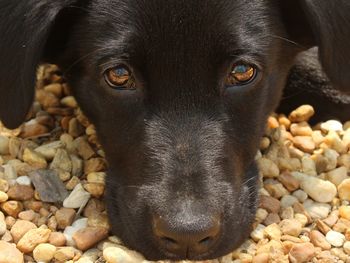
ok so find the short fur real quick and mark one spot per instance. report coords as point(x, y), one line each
point(182, 145)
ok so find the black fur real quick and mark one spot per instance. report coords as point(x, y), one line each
point(182, 145)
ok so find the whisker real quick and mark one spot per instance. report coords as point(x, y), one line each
point(286, 40)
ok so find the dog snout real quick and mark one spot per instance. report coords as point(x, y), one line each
point(189, 239)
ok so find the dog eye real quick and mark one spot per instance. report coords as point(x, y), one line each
point(241, 74)
point(119, 77)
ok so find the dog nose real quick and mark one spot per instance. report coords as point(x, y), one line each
point(187, 239)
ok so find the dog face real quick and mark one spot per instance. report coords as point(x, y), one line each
point(179, 92)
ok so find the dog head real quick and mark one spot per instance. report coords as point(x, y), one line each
point(179, 92)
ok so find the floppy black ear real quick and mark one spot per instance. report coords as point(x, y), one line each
point(25, 28)
point(326, 24)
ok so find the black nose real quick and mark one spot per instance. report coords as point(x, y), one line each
point(187, 238)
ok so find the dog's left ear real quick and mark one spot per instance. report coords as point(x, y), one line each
point(326, 24)
point(31, 31)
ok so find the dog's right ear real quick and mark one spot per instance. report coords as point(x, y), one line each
point(25, 28)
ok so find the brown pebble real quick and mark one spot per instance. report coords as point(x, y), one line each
point(94, 206)
point(27, 215)
point(319, 240)
point(20, 228)
point(32, 238)
point(322, 226)
point(271, 204)
point(94, 165)
point(65, 217)
point(302, 113)
point(84, 148)
point(20, 192)
point(301, 253)
point(12, 208)
point(272, 218)
point(304, 143)
point(87, 237)
point(57, 239)
point(9, 253)
point(289, 181)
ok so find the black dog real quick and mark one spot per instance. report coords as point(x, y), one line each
point(179, 92)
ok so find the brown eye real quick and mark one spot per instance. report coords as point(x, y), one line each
point(119, 77)
point(241, 74)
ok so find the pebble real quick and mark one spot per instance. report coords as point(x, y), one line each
point(87, 237)
point(65, 217)
point(268, 168)
point(302, 113)
point(344, 212)
point(338, 175)
point(77, 198)
point(33, 238)
point(49, 150)
point(317, 210)
point(24, 180)
point(269, 203)
point(288, 201)
point(61, 161)
point(301, 253)
point(96, 190)
point(3, 197)
point(344, 190)
point(289, 181)
point(2, 224)
point(346, 247)
point(319, 240)
point(12, 208)
point(57, 239)
point(20, 228)
point(9, 172)
point(120, 255)
point(34, 159)
point(94, 165)
point(20, 192)
point(331, 125)
point(291, 227)
point(304, 143)
point(9, 253)
point(84, 148)
point(4, 145)
point(318, 189)
point(273, 232)
point(300, 195)
point(65, 253)
point(72, 183)
point(28, 215)
point(334, 238)
point(4, 185)
point(301, 129)
point(44, 252)
point(99, 220)
point(258, 233)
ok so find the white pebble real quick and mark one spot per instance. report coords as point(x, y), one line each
point(288, 201)
point(24, 180)
point(119, 255)
point(77, 198)
point(334, 238)
point(300, 195)
point(258, 233)
point(317, 210)
point(346, 247)
point(331, 125)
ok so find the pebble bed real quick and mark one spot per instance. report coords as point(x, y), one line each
point(52, 173)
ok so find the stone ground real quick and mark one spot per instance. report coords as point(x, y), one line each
point(52, 172)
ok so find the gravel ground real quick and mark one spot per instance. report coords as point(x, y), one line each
point(52, 174)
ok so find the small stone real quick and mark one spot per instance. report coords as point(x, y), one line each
point(319, 240)
point(72, 183)
point(75, 128)
point(65, 254)
point(301, 129)
point(84, 148)
point(291, 227)
point(96, 177)
point(33, 238)
point(331, 125)
point(77, 198)
point(317, 210)
point(2, 224)
point(334, 238)
point(288, 201)
point(77, 165)
point(289, 181)
point(300, 195)
point(323, 227)
point(96, 206)
point(65, 217)
point(57, 239)
point(49, 150)
point(24, 180)
point(94, 165)
point(20, 192)
point(69, 101)
point(33, 129)
point(20, 228)
point(275, 189)
point(301, 253)
point(99, 220)
point(9, 172)
point(344, 190)
point(3, 197)
point(34, 159)
point(87, 237)
point(4, 185)
point(46, 99)
point(320, 190)
point(48, 185)
point(302, 113)
point(308, 166)
point(338, 175)
point(268, 168)
point(261, 258)
point(117, 254)
point(61, 161)
point(304, 143)
point(346, 247)
point(96, 190)
point(44, 252)
point(4, 145)
point(12, 208)
point(344, 212)
point(28, 215)
point(271, 204)
point(258, 233)
point(9, 253)
point(272, 218)
point(273, 232)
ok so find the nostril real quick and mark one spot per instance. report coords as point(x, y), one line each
point(168, 241)
point(206, 241)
